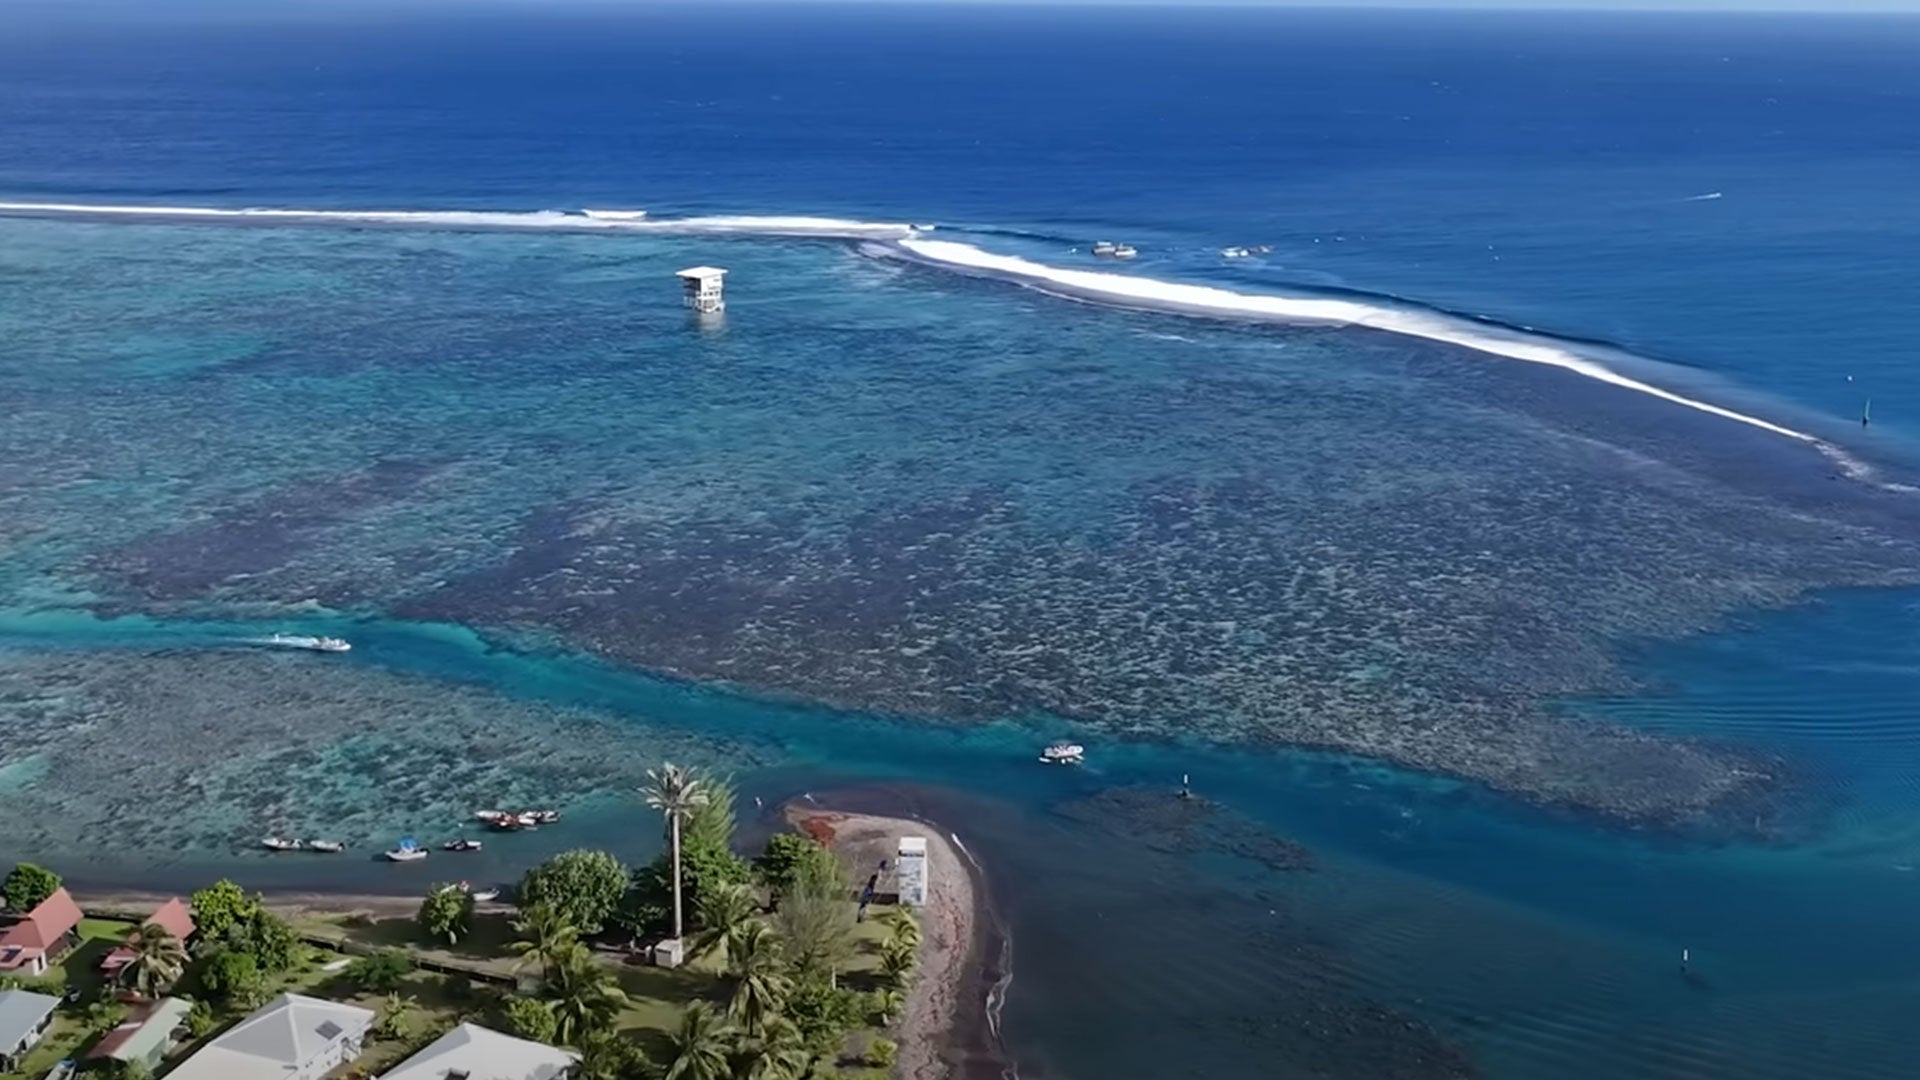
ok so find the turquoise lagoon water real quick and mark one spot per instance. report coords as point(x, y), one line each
point(882, 529)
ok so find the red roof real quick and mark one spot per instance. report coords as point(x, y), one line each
point(41, 930)
point(174, 918)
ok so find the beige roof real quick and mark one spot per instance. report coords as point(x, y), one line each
point(483, 1054)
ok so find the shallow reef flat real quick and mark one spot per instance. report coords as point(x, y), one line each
point(148, 758)
point(883, 488)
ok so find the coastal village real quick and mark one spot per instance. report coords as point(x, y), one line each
point(807, 961)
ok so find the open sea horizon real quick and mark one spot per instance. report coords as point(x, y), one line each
point(1557, 617)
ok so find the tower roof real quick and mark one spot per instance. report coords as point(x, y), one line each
point(701, 272)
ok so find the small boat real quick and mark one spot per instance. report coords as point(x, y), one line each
point(1061, 753)
point(545, 817)
point(484, 896)
point(462, 844)
point(1235, 252)
point(488, 817)
point(302, 641)
point(408, 851)
point(326, 847)
point(281, 843)
point(1124, 251)
point(1105, 249)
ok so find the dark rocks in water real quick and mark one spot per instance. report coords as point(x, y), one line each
point(1338, 1039)
point(1172, 825)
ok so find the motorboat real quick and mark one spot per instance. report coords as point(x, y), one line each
point(1062, 753)
point(462, 844)
point(408, 851)
point(1235, 252)
point(282, 843)
point(484, 896)
point(302, 641)
point(1105, 249)
point(1125, 251)
point(545, 817)
point(488, 817)
point(326, 847)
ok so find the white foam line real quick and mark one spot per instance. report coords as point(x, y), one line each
point(1126, 288)
point(600, 221)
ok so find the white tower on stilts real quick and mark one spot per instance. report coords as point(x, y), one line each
point(705, 288)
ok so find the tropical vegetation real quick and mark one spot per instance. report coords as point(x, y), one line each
point(27, 885)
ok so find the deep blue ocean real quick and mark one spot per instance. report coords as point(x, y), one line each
point(571, 530)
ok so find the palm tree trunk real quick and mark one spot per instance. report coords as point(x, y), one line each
point(673, 830)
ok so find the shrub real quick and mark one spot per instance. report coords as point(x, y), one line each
point(200, 1020)
point(530, 1019)
point(447, 913)
point(585, 886)
point(881, 1052)
point(379, 972)
point(27, 885)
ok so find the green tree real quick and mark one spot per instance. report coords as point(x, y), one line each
point(584, 994)
point(583, 885)
point(723, 914)
point(27, 885)
point(698, 1047)
point(380, 972)
point(230, 974)
point(778, 1052)
point(267, 937)
point(816, 919)
point(761, 985)
point(545, 935)
point(158, 959)
point(604, 1055)
point(711, 824)
point(219, 907)
point(446, 914)
point(901, 926)
point(781, 860)
point(530, 1018)
point(395, 1020)
point(823, 1013)
point(105, 1014)
point(676, 793)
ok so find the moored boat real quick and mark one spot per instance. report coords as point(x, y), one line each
point(1062, 753)
point(408, 851)
point(326, 847)
point(484, 896)
point(462, 844)
point(282, 843)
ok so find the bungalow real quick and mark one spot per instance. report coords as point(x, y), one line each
point(31, 945)
point(292, 1037)
point(471, 1052)
point(172, 916)
point(145, 1035)
point(23, 1020)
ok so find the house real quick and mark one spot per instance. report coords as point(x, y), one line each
point(145, 1035)
point(31, 945)
point(292, 1037)
point(471, 1052)
point(172, 916)
point(23, 1020)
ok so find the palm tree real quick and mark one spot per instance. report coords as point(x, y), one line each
point(724, 913)
point(901, 926)
point(778, 1053)
point(890, 1001)
point(158, 959)
point(763, 985)
point(676, 793)
point(699, 1046)
point(585, 995)
point(545, 936)
point(896, 962)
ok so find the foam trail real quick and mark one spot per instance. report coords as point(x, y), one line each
point(598, 221)
point(1704, 198)
point(1206, 299)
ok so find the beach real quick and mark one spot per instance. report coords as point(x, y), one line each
point(935, 1031)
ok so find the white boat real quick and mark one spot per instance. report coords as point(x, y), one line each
point(408, 851)
point(1124, 251)
point(1234, 253)
point(327, 847)
point(1061, 753)
point(462, 844)
point(1105, 248)
point(615, 215)
point(484, 896)
point(281, 843)
point(301, 641)
point(489, 817)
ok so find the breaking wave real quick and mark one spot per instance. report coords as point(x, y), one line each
point(581, 220)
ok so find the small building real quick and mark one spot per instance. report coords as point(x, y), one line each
point(471, 1052)
point(705, 287)
point(173, 916)
point(292, 1037)
point(31, 945)
point(24, 1019)
point(145, 1036)
point(911, 870)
